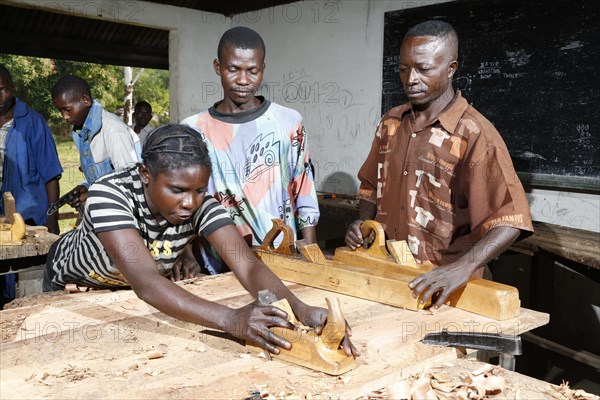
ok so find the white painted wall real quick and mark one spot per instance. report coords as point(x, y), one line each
point(324, 58)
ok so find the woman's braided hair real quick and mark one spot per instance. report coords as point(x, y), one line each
point(173, 147)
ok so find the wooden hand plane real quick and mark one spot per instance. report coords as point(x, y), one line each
point(318, 352)
point(313, 269)
point(372, 273)
point(12, 228)
point(480, 296)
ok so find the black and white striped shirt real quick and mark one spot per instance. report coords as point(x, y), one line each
point(115, 202)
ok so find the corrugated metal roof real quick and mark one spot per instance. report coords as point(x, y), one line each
point(42, 33)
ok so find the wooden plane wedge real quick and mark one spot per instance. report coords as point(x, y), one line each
point(317, 352)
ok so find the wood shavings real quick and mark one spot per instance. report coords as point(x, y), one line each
point(399, 390)
point(73, 374)
point(518, 394)
point(200, 349)
point(375, 394)
point(449, 383)
point(482, 370)
point(439, 377)
point(494, 384)
point(485, 384)
point(69, 374)
point(422, 389)
point(443, 387)
point(564, 392)
point(157, 352)
point(153, 372)
point(10, 327)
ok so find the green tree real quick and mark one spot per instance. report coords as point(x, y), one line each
point(34, 77)
point(31, 77)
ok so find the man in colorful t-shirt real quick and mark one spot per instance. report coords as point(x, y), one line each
point(261, 164)
point(439, 174)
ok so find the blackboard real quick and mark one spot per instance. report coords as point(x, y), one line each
point(533, 69)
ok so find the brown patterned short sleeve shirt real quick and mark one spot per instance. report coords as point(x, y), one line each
point(442, 187)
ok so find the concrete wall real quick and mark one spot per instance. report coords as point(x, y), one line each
point(324, 58)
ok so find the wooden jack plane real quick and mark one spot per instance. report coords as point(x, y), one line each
point(374, 274)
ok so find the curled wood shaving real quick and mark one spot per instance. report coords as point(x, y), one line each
point(399, 390)
point(444, 387)
point(422, 389)
point(565, 392)
point(482, 370)
point(70, 373)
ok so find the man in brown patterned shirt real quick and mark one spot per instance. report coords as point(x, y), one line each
point(439, 174)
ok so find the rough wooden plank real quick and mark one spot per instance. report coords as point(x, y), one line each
point(80, 346)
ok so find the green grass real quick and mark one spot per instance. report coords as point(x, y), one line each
point(69, 158)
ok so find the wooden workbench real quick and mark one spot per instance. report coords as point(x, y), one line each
point(572, 244)
point(31, 252)
point(96, 344)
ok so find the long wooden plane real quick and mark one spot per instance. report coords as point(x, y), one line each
point(387, 287)
point(374, 274)
point(480, 296)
